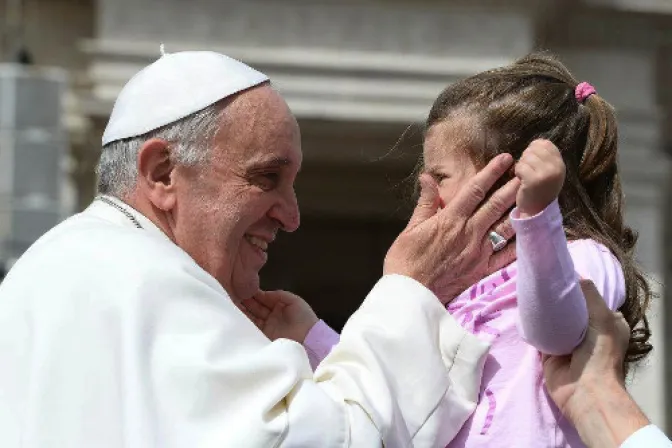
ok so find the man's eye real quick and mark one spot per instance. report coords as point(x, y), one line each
point(267, 181)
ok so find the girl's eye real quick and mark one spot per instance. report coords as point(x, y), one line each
point(440, 177)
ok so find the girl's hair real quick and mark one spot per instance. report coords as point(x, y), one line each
point(535, 98)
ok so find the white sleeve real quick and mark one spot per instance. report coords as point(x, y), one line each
point(647, 437)
point(404, 374)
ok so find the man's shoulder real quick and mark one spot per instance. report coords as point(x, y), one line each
point(84, 233)
point(120, 265)
point(84, 243)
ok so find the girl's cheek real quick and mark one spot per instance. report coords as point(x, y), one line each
point(445, 193)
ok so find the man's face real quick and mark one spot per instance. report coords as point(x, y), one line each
point(228, 212)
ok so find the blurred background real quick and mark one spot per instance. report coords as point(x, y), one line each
point(359, 75)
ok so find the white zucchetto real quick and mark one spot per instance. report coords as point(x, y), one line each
point(173, 87)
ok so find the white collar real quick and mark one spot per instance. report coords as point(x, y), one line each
point(112, 214)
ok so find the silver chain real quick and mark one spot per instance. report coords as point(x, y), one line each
point(121, 209)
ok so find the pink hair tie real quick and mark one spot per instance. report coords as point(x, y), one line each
point(583, 90)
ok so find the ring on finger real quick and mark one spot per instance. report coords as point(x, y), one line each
point(497, 240)
point(504, 229)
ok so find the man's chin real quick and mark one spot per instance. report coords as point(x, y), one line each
point(244, 288)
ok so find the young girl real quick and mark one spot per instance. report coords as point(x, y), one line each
point(535, 304)
point(569, 225)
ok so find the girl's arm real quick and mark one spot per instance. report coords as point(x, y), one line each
point(319, 342)
point(552, 308)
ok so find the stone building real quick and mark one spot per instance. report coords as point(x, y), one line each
point(358, 74)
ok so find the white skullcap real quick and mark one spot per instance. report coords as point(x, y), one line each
point(173, 87)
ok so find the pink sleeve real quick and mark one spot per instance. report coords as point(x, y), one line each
point(319, 342)
point(595, 262)
point(551, 305)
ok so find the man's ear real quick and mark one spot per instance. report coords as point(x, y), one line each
point(156, 173)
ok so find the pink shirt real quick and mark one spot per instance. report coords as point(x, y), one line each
point(534, 304)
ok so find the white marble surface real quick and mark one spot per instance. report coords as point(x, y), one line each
point(395, 27)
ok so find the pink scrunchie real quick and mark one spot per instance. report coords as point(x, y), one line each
point(583, 90)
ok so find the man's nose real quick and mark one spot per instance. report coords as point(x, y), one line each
point(287, 213)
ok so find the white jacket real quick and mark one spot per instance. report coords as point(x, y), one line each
point(112, 336)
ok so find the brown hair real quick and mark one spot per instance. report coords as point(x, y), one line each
point(534, 98)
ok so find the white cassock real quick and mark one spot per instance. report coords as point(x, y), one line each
point(112, 336)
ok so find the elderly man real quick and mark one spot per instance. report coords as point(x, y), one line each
point(121, 327)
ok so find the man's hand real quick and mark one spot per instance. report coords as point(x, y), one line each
point(447, 250)
point(280, 314)
point(588, 386)
point(541, 171)
point(599, 358)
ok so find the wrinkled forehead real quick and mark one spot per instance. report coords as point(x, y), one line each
point(257, 123)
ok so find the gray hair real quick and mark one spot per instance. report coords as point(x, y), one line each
point(190, 140)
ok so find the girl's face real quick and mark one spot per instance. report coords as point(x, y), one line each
point(446, 154)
